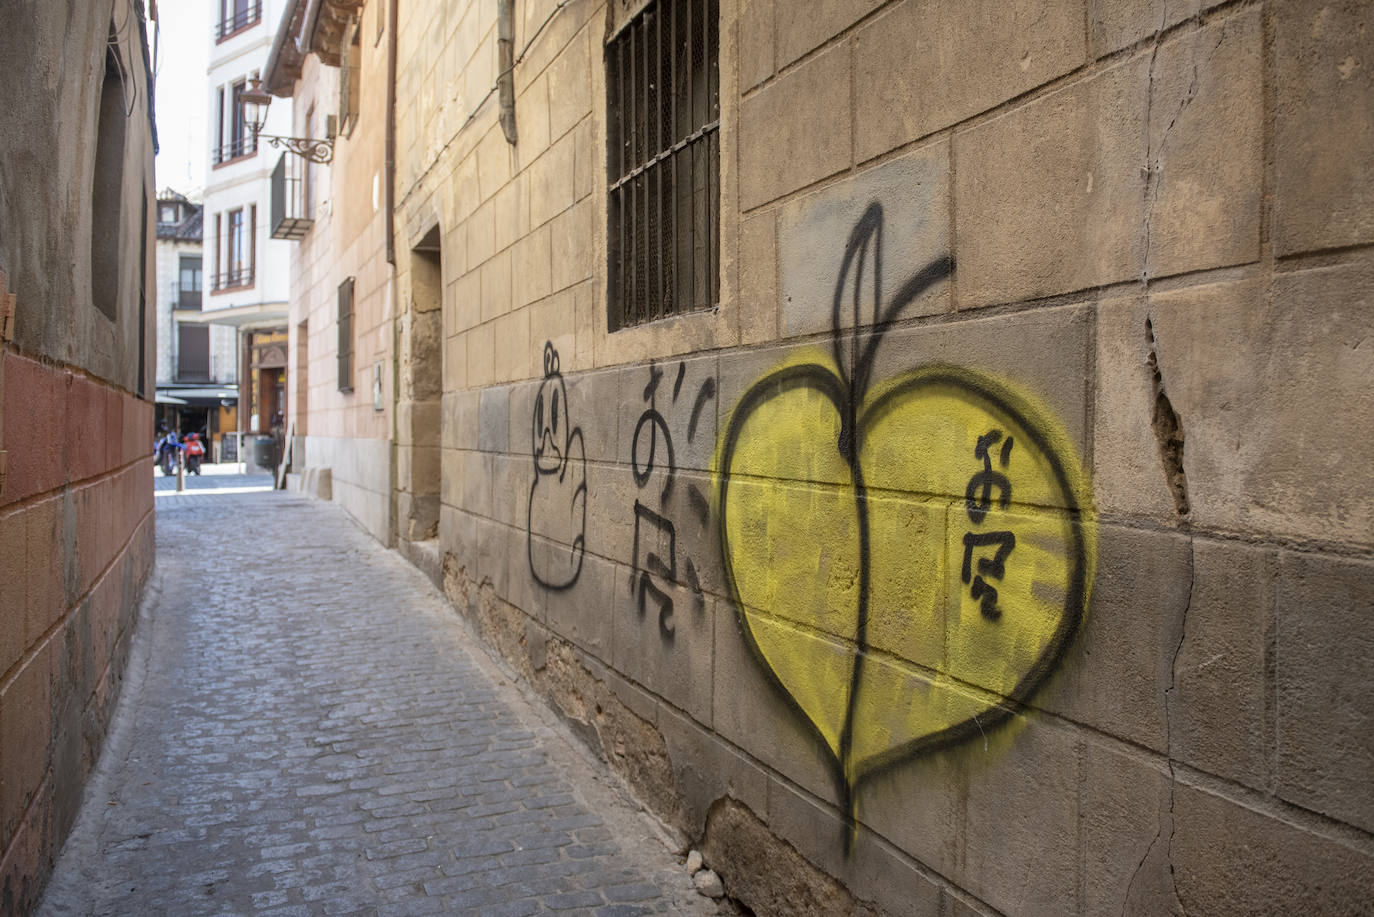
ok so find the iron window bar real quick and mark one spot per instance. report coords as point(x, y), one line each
point(663, 105)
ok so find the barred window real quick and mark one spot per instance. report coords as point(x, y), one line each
point(663, 138)
point(346, 335)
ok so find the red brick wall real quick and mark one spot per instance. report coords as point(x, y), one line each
point(76, 526)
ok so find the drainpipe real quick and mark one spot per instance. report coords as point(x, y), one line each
point(391, 42)
point(505, 61)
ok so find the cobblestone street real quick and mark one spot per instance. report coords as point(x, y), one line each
point(307, 728)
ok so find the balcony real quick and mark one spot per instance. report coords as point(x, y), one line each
point(291, 217)
point(237, 148)
point(233, 279)
point(237, 15)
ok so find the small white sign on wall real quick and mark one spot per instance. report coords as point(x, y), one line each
point(377, 403)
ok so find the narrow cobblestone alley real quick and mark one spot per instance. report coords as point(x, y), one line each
point(307, 728)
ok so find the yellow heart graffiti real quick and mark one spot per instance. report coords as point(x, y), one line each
point(908, 563)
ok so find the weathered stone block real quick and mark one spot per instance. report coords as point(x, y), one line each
point(1324, 133)
point(426, 419)
point(755, 43)
point(475, 483)
point(1238, 860)
point(14, 586)
point(1259, 451)
point(917, 805)
point(1042, 354)
point(1020, 843)
point(797, 33)
point(815, 240)
point(572, 236)
point(903, 61)
point(1125, 833)
point(481, 355)
point(35, 400)
point(531, 118)
point(461, 419)
point(494, 419)
point(1115, 674)
point(493, 561)
point(683, 394)
point(589, 157)
point(464, 309)
point(26, 709)
point(584, 612)
point(553, 320)
point(481, 234)
point(511, 477)
point(453, 465)
point(511, 211)
point(758, 278)
point(458, 538)
point(513, 353)
point(662, 638)
point(494, 166)
point(1216, 713)
point(1206, 148)
point(532, 267)
point(705, 769)
point(551, 182)
point(750, 711)
point(1129, 477)
point(523, 590)
point(570, 88)
point(1117, 24)
point(1048, 196)
point(594, 407)
point(1325, 658)
point(796, 130)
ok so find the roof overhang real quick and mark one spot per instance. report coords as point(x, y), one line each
point(318, 26)
point(252, 317)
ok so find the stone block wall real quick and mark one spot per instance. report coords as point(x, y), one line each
point(76, 411)
point(344, 426)
point(999, 544)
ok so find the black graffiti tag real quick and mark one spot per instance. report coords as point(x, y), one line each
point(651, 451)
point(978, 503)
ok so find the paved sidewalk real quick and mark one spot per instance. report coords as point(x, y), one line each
point(308, 729)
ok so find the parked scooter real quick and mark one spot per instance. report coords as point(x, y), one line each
point(169, 453)
point(194, 451)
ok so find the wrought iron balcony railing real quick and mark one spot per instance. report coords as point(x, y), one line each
point(238, 17)
point(232, 279)
point(291, 217)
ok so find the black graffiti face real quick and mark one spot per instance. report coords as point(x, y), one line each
point(557, 518)
point(551, 430)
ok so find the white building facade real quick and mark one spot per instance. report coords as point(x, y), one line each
point(246, 275)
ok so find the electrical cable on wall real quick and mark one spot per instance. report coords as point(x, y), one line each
point(518, 58)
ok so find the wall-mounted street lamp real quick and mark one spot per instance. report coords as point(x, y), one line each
point(255, 103)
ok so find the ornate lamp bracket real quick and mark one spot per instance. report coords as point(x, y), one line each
point(321, 151)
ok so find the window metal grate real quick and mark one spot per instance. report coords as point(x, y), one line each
point(663, 162)
point(346, 335)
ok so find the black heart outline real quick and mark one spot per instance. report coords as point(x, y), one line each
point(840, 388)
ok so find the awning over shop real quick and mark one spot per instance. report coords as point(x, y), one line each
point(250, 317)
point(193, 396)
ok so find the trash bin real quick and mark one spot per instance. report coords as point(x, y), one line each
point(265, 452)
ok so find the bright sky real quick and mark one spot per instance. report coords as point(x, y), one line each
point(183, 54)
